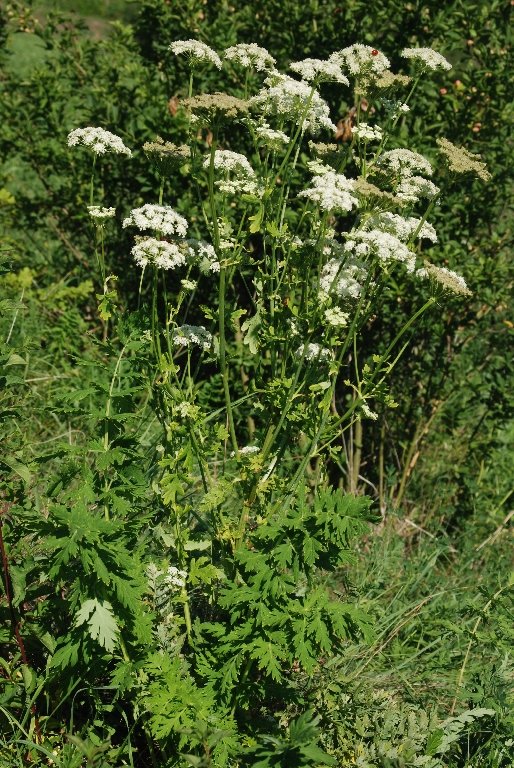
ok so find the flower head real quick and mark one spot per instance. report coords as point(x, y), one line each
point(160, 253)
point(361, 60)
point(367, 132)
point(196, 52)
point(287, 98)
point(99, 214)
point(192, 335)
point(313, 352)
point(319, 71)
point(250, 56)
point(161, 218)
point(426, 58)
point(98, 140)
point(404, 228)
point(332, 192)
point(462, 161)
point(445, 279)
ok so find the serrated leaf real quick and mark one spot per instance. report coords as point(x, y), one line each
point(101, 623)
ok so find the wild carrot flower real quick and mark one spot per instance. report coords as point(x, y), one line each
point(192, 335)
point(250, 55)
point(204, 255)
point(98, 140)
point(195, 52)
point(161, 218)
point(313, 352)
point(426, 58)
point(160, 253)
point(411, 188)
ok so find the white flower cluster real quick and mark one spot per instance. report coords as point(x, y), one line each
point(367, 132)
point(311, 352)
point(196, 51)
point(402, 227)
point(98, 140)
point(332, 192)
point(386, 247)
point(447, 279)
point(174, 577)
point(426, 58)
point(231, 162)
point(97, 212)
point(191, 336)
point(361, 60)
point(411, 188)
point(342, 278)
point(271, 138)
point(336, 317)
point(159, 253)
point(405, 161)
point(205, 255)
point(250, 55)
point(246, 450)
point(319, 70)
point(286, 97)
point(161, 218)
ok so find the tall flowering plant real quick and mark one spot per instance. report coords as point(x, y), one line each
point(292, 248)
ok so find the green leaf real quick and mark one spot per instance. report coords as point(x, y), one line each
point(101, 622)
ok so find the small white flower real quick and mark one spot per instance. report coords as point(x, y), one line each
point(426, 58)
point(404, 161)
point(205, 255)
point(411, 188)
point(161, 218)
point(246, 450)
point(286, 97)
point(97, 212)
point(231, 162)
point(98, 140)
point(160, 253)
point(366, 410)
point(250, 55)
point(188, 285)
point(367, 132)
point(271, 138)
point(319, 70)
point(195, 51)
point(386, 247)
point(336, 317)
point(342, 277)
point(312, 352)
point(192, 335)
point(332, 192)
point(175, 577)
point(402, 227)
point(445, 278)
point(361, 60)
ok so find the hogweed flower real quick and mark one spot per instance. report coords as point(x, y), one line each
point(386, 247)
point(426, 58)
point(100, 214)
point(445, 279)
point(161, 218)
point(313, 352)
point(405, 161)
point(250, 56)
point(332, 192)
point(195, 52)
point(231, 162)
point(361, 60)
point(98, 140)
point(288, 98)
point(411, 188)
point(367, 132)
point(401, 227)
point(159, 253)
point(270, 138)
point(192, 336)
point(460, 160)
point(317, 70)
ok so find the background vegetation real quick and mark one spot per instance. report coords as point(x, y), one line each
point(436, 571)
